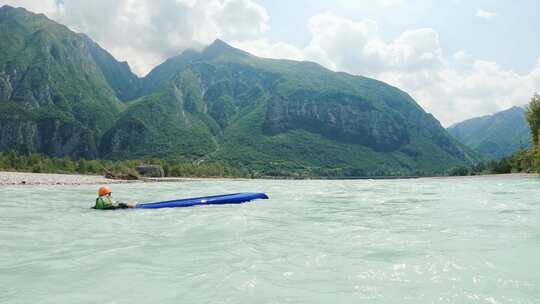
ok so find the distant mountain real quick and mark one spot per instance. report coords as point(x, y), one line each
point(62, 94)
point(497, 135)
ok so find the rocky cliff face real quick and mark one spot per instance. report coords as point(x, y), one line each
point(338, 116)
point(55, 99)
point(166, 124)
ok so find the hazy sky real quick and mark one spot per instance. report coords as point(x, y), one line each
point(457, 58)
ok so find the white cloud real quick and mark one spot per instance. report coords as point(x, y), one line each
point(387, 3)
point(363, 4)
point(486, 14)
point(463, 56)
point(268, 49)
point(236, 19)
point(37, 6)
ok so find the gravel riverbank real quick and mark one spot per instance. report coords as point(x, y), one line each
point(24, 178)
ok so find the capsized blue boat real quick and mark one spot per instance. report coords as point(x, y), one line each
point(236, 198)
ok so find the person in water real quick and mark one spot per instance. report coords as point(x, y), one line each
point(106, 202)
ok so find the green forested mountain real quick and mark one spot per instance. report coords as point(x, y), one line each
point(60, 94)
point(54, 97)
point(497, 135)
point(223, 104)
point(118, 74)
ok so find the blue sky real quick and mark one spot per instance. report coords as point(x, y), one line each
point(458, 59)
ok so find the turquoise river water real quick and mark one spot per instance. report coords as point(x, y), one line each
point(439, 240)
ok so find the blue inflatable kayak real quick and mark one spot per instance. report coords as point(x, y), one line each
point(236, 198)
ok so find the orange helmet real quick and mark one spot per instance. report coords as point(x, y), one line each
point(104, 191)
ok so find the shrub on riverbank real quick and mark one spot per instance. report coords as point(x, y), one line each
point(39, 163)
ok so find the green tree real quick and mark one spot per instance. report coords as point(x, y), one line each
point(533, 117)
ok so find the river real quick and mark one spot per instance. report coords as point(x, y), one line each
point(433, 240)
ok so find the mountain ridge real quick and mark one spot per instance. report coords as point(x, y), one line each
point(271, 83)
point(220, 104)
point(497, 135)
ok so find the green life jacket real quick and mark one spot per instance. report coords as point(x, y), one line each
point(105, 202)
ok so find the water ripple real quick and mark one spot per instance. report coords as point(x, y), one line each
point(400, 241)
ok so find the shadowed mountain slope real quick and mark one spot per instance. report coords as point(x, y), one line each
point(497, 135)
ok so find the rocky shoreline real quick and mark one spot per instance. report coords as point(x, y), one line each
point(27, 178)
point(24, 178)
